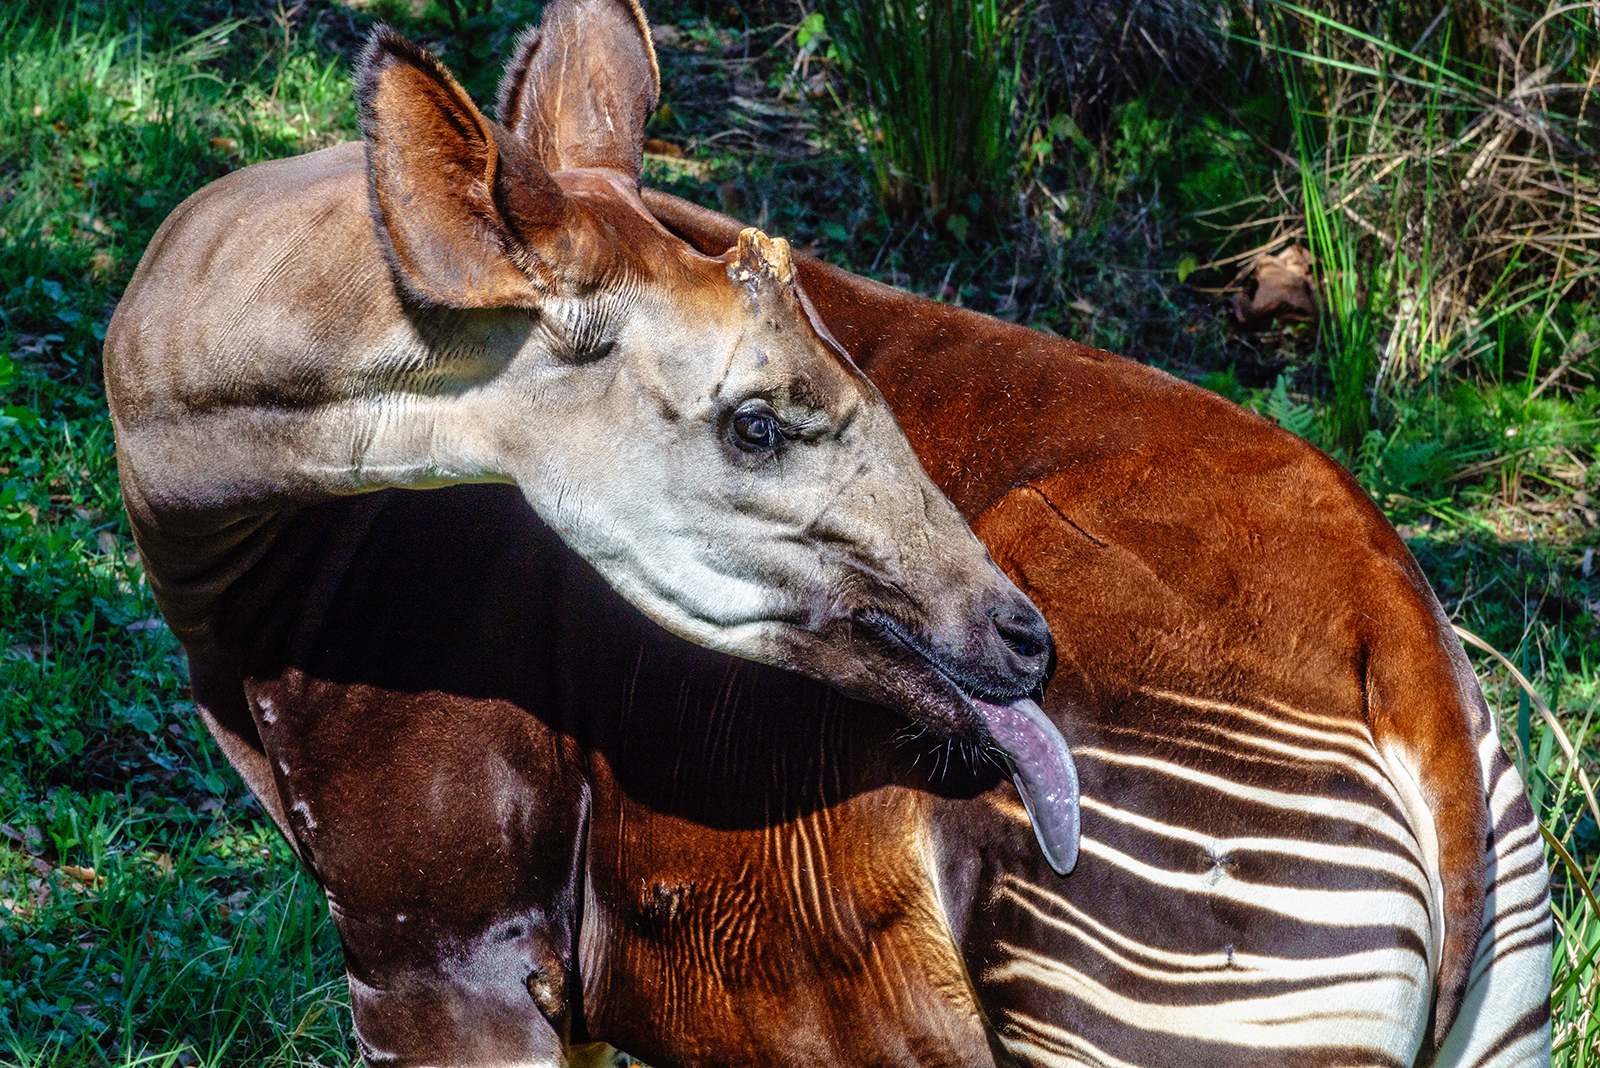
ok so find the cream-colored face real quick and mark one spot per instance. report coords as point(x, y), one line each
point(729, 471)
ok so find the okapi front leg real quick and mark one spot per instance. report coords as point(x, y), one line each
point(444, 831)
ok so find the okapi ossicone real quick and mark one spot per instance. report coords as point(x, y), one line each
point(542, 819)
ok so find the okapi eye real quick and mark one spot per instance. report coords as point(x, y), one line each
point(756, 429)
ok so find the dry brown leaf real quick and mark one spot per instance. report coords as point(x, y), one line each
point(1280, 287)
point(663, 149)
point(86, 876)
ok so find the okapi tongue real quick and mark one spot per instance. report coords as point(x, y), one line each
point(1044, 774)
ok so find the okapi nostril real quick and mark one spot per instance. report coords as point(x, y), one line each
point(1021, 642)
point(1027, 638)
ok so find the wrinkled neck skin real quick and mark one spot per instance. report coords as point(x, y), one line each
point(295, 400)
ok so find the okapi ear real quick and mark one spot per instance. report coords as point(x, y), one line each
point(457, 210)
point(580, 88)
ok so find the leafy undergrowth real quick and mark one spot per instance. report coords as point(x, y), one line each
point(147, 912)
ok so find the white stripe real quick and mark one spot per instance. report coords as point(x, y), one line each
point(1329, 728)
point(1289, 758)
point(1369, 772)
point(1416, 808)
point(1053, 1047)
point(1359, 1012)
point(1301, 804)
point(1317, 852)
point(1332, 908)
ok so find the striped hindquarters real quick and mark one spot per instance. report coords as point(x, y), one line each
point(1250, 892)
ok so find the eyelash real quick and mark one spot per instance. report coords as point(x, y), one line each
point(770, 437)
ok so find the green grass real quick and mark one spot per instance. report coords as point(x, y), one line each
point(936, 83)
point(196, 940)
point(147, 914)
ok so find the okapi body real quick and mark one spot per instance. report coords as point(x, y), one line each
point(1289, 773)
point(543, 820)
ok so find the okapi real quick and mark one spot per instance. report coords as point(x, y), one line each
point(542, 819)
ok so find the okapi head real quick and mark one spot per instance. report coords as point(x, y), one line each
point(684, 422)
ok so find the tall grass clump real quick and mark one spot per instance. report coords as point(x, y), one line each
point(933, 84)
point(1448, 186)
point(1347, 340)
